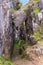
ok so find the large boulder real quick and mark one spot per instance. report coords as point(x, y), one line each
point(5, 29)
point(41, 4)
point(18, 21)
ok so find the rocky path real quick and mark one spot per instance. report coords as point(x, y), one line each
point(38, 59)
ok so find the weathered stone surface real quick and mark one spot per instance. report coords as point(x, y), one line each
point(29, 25)
point(5, 28)
point(34, 51)
point(41, 4)
point(10, 29)
point(19, 20)
point(35, 26)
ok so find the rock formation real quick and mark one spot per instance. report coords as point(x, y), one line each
point(11, 29)
point(5, 28)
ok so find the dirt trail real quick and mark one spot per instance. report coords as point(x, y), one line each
point(38, 60)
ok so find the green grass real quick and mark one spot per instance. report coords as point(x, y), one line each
point(5, 62)
point(19, 44)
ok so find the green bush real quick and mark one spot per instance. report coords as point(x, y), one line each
point(18, 4)
point(21, 45)
point(36, 10)
point(26, 11)
point(38, 34)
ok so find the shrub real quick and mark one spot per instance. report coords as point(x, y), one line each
point(36, 10)
point(26, 11)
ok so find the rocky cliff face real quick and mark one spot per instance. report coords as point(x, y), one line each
point(11, 29)
point(5, 29)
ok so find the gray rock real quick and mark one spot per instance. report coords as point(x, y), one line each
point(35, 26)
point(41, 4)
point(5, 29)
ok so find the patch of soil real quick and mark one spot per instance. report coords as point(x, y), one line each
point(38, 60)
